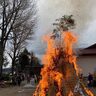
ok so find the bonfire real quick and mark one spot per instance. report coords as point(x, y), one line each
point(60, 75)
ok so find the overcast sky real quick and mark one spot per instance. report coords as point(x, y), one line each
point(84, 12)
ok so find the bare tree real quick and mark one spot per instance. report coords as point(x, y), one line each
point(14, 16)
point(19, 40)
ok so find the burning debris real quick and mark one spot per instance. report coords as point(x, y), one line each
point(60, 72)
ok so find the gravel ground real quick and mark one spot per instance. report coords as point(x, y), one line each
point(21, 91)
point(16, 91)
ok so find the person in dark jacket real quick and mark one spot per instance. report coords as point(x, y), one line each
point(14, 80)
point(19, 80)
point(90, 80)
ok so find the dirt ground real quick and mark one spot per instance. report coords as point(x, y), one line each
point(21, 91)
point(16, 91)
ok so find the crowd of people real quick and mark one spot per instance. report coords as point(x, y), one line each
point(17, 79)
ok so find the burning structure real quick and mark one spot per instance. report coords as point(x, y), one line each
point(60, 75)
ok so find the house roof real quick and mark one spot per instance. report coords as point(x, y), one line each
point(91, 47)
point(6, 70)
point(91, 50)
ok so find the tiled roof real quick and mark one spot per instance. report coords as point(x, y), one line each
point(91, 50)
point(91, 47)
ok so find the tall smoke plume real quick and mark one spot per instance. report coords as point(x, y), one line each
point(84, 15)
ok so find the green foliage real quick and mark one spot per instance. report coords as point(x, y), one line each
point(25, 52)
point(63, 24)
point(6, 77)
point(27, 61)
point(35, 61)
point(23, 60)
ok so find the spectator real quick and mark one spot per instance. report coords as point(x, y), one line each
point(81, 76)
point(28, 78)
point(18, 80)
point(14, 80)
point(90, 80)
point(35, 77)
point(32, 81)
point(22, 76)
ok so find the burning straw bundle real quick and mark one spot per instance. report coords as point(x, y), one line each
point(60, 72)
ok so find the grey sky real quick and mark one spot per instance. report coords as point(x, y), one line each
point(84, 12)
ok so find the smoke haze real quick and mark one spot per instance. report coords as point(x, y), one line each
point(84, 14)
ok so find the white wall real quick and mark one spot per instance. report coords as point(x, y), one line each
point(87, 64)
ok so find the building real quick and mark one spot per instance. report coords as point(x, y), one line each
point(87, 59)
point(7, 70)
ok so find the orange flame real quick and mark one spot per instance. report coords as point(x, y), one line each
point(89, 93)
point(49, 72)
point(69, 40)
point(70, 94)
point(55, 60)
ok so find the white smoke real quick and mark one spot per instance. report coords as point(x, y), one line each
point(82, 10)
